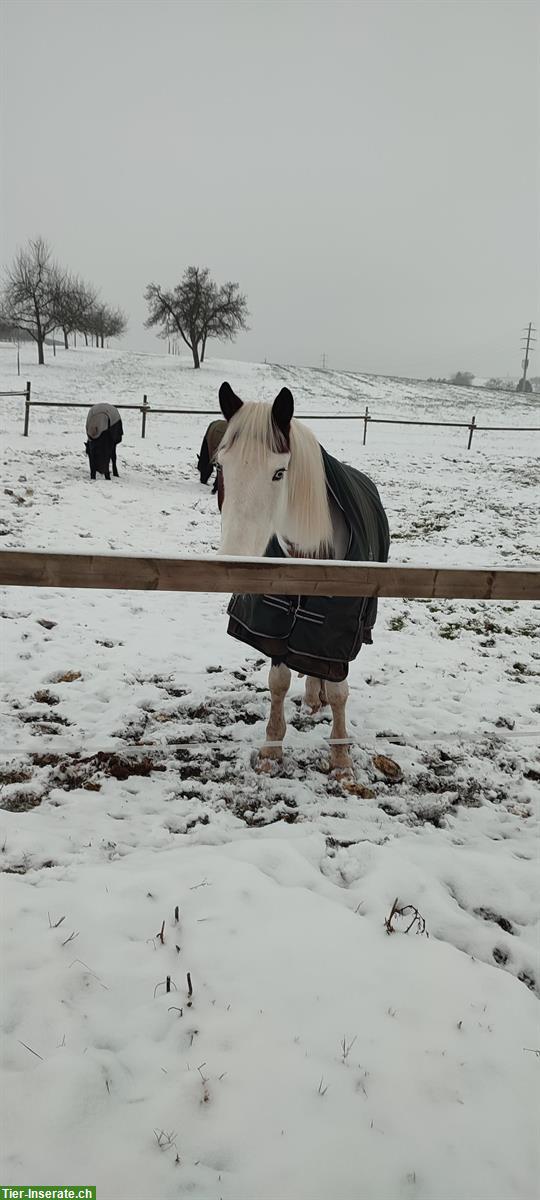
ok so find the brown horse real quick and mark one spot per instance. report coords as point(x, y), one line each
point(210, 446)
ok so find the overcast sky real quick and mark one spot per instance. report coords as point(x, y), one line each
point(368, 170)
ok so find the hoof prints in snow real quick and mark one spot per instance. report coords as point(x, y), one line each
point(209, 749)
point(70, 772)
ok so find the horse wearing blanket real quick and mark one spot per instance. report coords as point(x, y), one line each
point(209, 448)
point(282, 495)
point(104, 431)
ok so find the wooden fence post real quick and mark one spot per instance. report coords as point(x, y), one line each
point(472, 427)
point(18, 360)
point(144, 409)
point(366, 419)
point(27, 409)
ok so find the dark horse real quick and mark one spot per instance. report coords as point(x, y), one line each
point(104, 429)
point(208, 451)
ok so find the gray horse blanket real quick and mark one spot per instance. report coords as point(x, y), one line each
point(100, 418)
point(321, 635)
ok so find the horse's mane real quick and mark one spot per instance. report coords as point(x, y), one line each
point(309, 525)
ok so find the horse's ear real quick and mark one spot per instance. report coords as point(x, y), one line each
point(229, 401)
point(282, 411)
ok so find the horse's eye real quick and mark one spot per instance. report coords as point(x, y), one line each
point(278, 474)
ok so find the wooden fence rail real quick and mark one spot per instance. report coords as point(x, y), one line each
point(145, 408)
point(28, 568)
point(26, 394)
point(470, 425)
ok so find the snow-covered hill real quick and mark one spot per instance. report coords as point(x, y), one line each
point(318, 1056)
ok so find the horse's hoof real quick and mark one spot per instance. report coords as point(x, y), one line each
point(344, 775)
point(267, 761)
point(266, 766)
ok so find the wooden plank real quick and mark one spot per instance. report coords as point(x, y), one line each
point(196, 412)
point(216, 414)
point(21, 568)
point(451, 424)
point(409, 421)
point(75, 404)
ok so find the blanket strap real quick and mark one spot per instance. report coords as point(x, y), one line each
point(329, 741)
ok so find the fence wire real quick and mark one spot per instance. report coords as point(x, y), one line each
point(369, 743)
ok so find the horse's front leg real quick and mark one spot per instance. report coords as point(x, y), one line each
point(340, 759)
point(279, 682)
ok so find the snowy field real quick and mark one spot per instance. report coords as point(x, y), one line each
point(318, 1056)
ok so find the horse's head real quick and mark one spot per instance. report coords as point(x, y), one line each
point(253, 461)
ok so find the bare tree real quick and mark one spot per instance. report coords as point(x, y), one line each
point(196, 309)
point(76, 300)
point(180, 310)
point(94, 323)
point(64, 309)
point(84, 302)
point(104, 322)
point(115, 323)
point(31, 293)
point(226, 314)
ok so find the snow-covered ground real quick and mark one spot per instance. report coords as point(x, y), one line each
point(318, 1056)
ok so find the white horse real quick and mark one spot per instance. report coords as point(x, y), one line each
point(272, 483)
